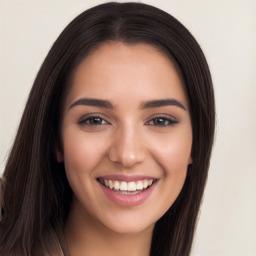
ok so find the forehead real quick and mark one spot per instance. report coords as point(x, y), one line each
point(116, 68)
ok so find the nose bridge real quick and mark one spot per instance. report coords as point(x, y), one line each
point(127, 147)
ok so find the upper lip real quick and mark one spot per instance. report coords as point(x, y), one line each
point(127, 178)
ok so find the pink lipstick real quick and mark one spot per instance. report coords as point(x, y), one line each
point(127, 190)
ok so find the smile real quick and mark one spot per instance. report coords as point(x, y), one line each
point(127, 188)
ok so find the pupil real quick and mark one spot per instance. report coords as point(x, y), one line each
point(96, 120)
point(158, 121)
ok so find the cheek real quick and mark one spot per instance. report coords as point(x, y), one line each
point(174, 161)
point(173, 154)
point(173, 151)
point(82, 153)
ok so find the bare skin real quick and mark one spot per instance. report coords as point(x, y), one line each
point(103, 241)
point(125, 121)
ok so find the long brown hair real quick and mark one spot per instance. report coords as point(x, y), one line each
point(36, 193)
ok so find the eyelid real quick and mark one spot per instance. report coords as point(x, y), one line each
point(84, 118)
point(167, 117)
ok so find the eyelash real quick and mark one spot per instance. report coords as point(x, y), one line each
point(162, 121)
point(159, 121)
point(87, 121)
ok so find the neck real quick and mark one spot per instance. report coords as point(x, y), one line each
point(85, 237)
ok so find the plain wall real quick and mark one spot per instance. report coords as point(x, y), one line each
point(226, 31)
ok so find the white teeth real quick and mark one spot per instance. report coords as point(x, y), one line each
point(116, 185)
point(110, 184)
point(139, 185)
point(131, 186)
point(123, 186)
point(145, 183)
point(127, 187)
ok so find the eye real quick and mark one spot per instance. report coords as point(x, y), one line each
point(161, 121)
point(93, 121)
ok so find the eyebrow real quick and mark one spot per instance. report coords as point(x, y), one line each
point(144, 105)
point(92, 102)
point(162, 103)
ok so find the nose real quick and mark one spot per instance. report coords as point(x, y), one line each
point(127, 147)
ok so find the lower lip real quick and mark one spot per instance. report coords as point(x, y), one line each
point(126, 199)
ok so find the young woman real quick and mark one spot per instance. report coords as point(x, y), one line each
point(113, 149)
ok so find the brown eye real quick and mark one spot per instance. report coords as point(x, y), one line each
point(93, 120)
point(161, 121)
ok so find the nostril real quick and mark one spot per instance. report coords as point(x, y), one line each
point(127, 147)
point(126, 159)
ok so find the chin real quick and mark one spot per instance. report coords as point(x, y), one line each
point(130, 222)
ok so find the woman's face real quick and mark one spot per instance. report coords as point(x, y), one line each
point(126, 136)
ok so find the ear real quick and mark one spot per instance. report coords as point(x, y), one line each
point(58, 154)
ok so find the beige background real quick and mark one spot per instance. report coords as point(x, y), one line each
point(226, 30)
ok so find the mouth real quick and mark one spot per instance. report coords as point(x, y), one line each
point(127, 188)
